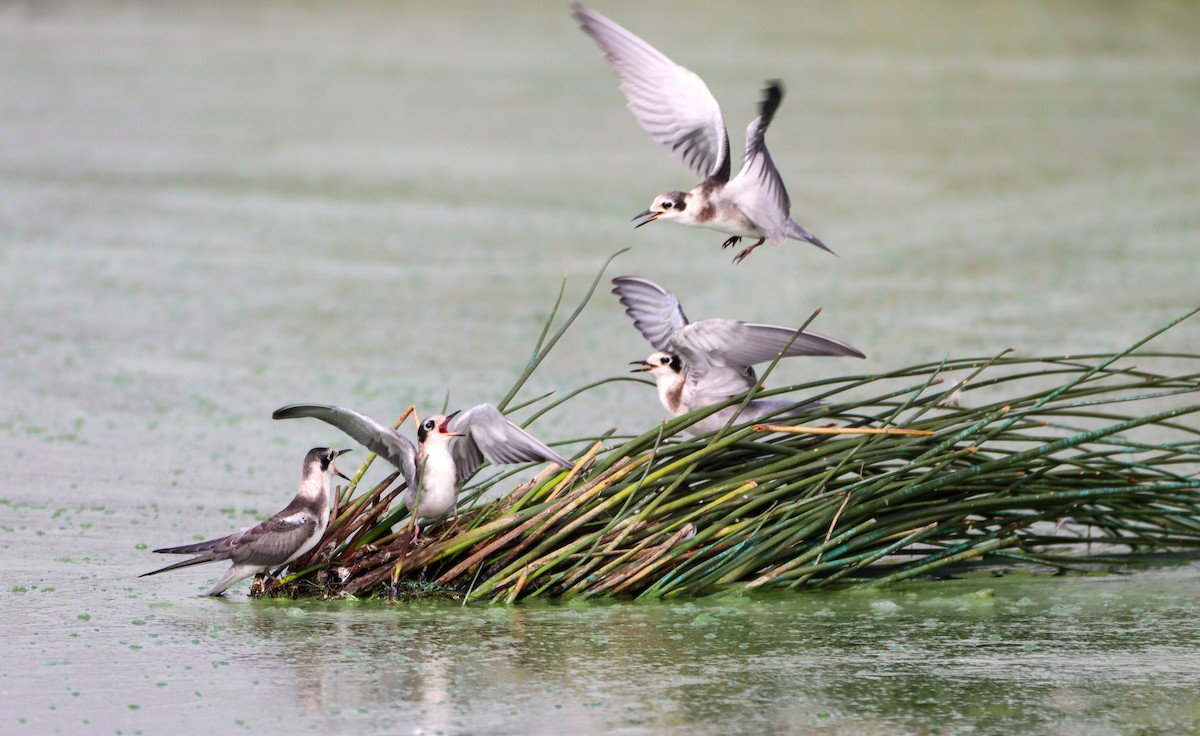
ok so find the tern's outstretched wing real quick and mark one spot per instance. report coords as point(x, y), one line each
point(758, 189)
point(378, 438)
point(669, 101)
point(489, 435)
point(656, 313)
point(727, 342)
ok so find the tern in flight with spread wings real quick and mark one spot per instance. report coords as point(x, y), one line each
point(448, 450)
point(274, 543)
point(674, 105)
point(698, 364)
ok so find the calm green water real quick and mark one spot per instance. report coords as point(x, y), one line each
point(208, 211)
point(1096, 656)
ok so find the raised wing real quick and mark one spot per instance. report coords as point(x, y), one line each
point(378, 438)
point(726, 342)
point(670, 102)
point(758, 189)
point(489, 435)
point(656, 313)
point(274, 541)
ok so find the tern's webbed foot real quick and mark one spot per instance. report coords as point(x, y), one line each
point(259, 585)
point(731, 242)
point(742, 256)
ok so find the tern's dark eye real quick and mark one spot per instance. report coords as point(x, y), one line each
point(668, 204)
point(429, 424)
point(664, 360)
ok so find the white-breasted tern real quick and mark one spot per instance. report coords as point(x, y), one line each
point(448, 450)
point(698, 364)
point(674, 105)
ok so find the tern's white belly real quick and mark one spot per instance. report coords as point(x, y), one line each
point(439, 487)
point(733, 223)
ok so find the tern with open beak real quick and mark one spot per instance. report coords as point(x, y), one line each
point(698, 364)
point(448, 450)
point(675, 106)
point(274, 543)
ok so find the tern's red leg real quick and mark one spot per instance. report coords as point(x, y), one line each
point(742, 256)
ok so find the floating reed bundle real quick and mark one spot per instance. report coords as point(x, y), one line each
point(1058, 461)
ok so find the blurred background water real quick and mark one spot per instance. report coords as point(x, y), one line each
point(210, 209)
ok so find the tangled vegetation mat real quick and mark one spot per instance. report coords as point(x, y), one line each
point(1059, 461)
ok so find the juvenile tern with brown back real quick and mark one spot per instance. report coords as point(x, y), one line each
point(274, 543)
point(698, 364)
point(676, 108)
point(448, 450)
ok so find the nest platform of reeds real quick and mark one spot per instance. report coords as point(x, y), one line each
point(1061, 462)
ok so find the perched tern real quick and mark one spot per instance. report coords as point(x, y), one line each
point(274, 543)
point(674, 105)
point(448, 450)
point(698, 364)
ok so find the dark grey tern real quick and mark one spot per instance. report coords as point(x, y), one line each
point(276, 542)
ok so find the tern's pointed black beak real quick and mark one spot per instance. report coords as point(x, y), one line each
point(649, 215)
point(445, 428)
point(644, 366)
point(337, 472)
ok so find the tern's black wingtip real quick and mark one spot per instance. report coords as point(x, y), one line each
point(296, 411)
point(582, 16)
point(772, 95)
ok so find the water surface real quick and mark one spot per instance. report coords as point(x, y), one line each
point(211, 210)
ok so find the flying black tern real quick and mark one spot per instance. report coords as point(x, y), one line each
point(448, 450)
point(698, 364)
point(674, 105)
point(274, 543)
